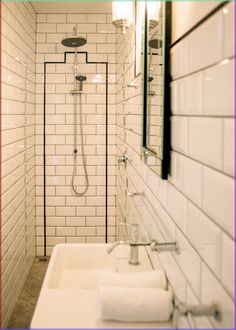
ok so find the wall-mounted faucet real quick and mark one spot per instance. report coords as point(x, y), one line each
point(165, 247)
point(155, 246)
point(191, 311)
point(123, 159)
point(134, 194)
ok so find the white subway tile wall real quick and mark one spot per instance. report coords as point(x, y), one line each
point(18, 162)
point(70, 218)
point(196, 203)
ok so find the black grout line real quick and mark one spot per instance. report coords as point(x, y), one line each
point(199, 23)
point(203, 69)
point(202, 164)
point(44, 137)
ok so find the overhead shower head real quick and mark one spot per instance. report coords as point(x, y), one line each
point(74, 41)
point(155, 43)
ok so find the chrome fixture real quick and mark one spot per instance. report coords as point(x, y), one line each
point(122, 159)
point(164, 247)
point(133, 257)
point(191, 311)
point(133, 84)
point(155, 246)
point(134, 194)
point(81, 79)
point(122, 14)
point(74, 42)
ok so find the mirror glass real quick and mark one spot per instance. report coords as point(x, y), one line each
point(156, 87)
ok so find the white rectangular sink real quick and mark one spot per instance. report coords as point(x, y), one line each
point(69, 295)
point(77, 266)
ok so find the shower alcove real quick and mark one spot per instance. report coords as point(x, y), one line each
point(64, 217)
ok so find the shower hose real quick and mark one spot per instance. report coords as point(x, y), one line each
point(75, 151)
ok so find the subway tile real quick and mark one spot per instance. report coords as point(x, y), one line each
point(205, 43)
point(205, 140)
point(212, 291)
point(193, 94)
point(44, 27)
point(56, 18)
point(174, 275)
point(228, 21)
point(227, 264)
point(76, 18)
point(205, 236)
point(40, 37)
point(41, 18)
point(65, 211)
point(186, 174)
point(228, 146)
point(86, 28)
point(75, 239)
point(96, 38)
point(65, 231)
point(63, 28)
point(189, 262)
point(96, 18)
point(174, 97)
point(55, 240)
point(95, 240)
point(219, 89)
point(218, 198)
point(55, 221)
point(86, 231)
point(53, 58)
point(177, 207)
point(179, 134)
point(180, 59)
point(54, 38)
point(106, 28)
point(75, 221)
point(106, 48)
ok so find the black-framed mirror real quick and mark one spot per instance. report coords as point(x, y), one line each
point(156, 87)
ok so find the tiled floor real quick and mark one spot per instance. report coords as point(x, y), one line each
point(23, 312)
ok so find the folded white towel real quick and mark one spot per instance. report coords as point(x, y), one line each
point(151, 279)
point(135, 305)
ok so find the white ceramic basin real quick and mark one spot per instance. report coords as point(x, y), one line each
point(69, 295)
point(77, 266)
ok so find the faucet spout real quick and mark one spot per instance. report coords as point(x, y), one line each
point(114, 245)
point(133, 258)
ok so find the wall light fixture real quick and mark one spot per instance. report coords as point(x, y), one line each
point(122, 14)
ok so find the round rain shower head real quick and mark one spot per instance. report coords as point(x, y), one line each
point(155, 43)
point(80, 77)
point(74, 41)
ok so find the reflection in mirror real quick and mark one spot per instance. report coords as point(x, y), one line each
point(155, 84)
point(156, 104)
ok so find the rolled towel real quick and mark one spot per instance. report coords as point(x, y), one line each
point(151, 279)
point(135, 305)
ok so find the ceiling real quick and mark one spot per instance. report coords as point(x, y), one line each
point(72, 7)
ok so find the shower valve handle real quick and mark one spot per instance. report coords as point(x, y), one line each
point(122, 159)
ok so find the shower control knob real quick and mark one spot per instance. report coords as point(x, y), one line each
point(122, 159)
point(75, 151)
